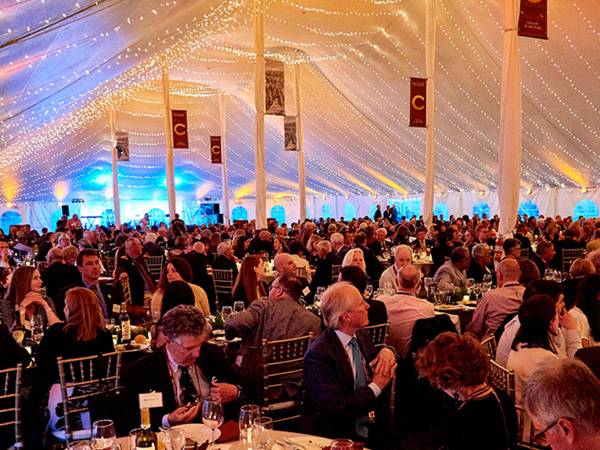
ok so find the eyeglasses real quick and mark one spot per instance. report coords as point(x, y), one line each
point(541, 435)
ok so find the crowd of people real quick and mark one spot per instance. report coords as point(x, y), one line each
point(427, 387)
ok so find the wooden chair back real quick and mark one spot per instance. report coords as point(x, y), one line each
point(282, 389)
point(526, 432)
point(154, 265)
point(335, 272)
point(82, 379)
point(300, 272)
point(223, 280)
point(490, 345)
point(378, 333)
point(500, 378)
point(568, 256)
point(10, 402)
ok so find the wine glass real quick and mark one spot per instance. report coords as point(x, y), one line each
point(264, 426)
point(174, 439)
point(342, 444)
point(212, 415)
point(104, 434)
point(238, 307)
point(369, 290)
point(248, 415)
point(549, 274)
point(80, 445)
point(226, 312)
point(320, 291)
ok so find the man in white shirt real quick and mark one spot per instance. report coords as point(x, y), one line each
point(404, 309)
point(402, 256)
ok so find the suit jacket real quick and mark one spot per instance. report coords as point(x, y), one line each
point(56, 277)
point(136, 280)
point(109, 292)
point(200, 275)
point(374, 267)
point(322, 277)
point(224, 263)
point(151, 373)
point(331, 403)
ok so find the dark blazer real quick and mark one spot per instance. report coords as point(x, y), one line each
point(151, 373)
point(477, 272)
point(322, 276)
point(56, 277)
point(136, 280)
point(374, 267)
point(200, 276)
point(331, 404)
point(377, 312)
point(109, 292)
point(224, 263)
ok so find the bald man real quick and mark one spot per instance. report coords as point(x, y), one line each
point(200, 277)
point(403, 255)
point(498, 303)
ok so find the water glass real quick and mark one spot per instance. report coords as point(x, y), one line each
point(549, 274)
point(226, 312)
point(238, 307)
point(320, 290)
point(369, 290)
point(133, 434)
point(104, 434)
point(248, 416)
point(487, 278)
point(174, 439)
point(212, 415)
point(342, 444)
point(264, 426)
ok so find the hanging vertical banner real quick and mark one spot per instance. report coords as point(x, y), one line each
point(122, 145)
point(418, 94)
point(180, 129)
point(274, 88)
point(289, 133)
point(215, 150)
point(533, 19)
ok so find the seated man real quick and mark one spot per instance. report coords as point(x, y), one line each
point(402, 256)
point(345, 379)
point(326, 260)
point(480, 262)
point(404, 309)
point(225, 259)
point(185, 369)
point(562, 398)
point(279, 317)
point(284, 264)
point(453, 272)
point(90, 268)
point(496, 304)
point(131, 266)
point(297, 254)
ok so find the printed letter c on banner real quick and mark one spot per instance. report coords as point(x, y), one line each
point(179, 129)
point(419, 98)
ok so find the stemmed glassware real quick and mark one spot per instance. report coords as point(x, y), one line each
point(226, 312)
point(238, 307)
point(212, 415)
point(248, 416)
point(104, 434)
point(263, 426)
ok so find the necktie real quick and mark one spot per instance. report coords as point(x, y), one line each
point(360, 380)
point(186, 386)
point(361, 377)
point(101, 300)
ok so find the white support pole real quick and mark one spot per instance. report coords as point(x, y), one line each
point(259, 102)
point(225, 184)
point(169, 143)
point(112, 118)
point(511, 127)
point(300, 131)
point(430, 108)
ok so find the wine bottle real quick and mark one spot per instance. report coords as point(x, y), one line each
point(146, 438)
point(125, 324)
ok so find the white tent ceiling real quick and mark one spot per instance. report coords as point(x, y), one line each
point(65, 64)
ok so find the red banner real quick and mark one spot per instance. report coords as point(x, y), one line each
point(418, 95)
point(533, 19)
point(215, 150)
point(180, 129)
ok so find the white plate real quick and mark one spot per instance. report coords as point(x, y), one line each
point(197, 432)
point(311, 442)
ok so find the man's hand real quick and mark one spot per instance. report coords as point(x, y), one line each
point(225, 391)
point(567, 321)
point(123, 276)
point(382, 380)
point(183, 414)
point(385, 363)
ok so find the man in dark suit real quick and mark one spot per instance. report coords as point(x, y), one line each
point(345, 379)
point(225, 259)
point(90, 268)
point(131, 265)
point(200, 277)
point(326, 260)
point(184, 370)
point(58, 275)
point(374, 267)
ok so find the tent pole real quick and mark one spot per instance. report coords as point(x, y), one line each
point(430, 109)
point(112, 118)
point(168, 142)
point(511, 127)
point(300, 130)
point(223, 124)
point(259, 102)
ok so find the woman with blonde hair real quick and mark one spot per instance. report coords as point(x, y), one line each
point(355, 257)
point(24, 299)
point(249, 283)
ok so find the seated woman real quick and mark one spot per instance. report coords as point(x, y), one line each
point(249, 284)
point(83, 334)
point(355, 257)
point(533, 344)
point(178, 269)
point(485, 418)
point(24, 297)
point(587, 310)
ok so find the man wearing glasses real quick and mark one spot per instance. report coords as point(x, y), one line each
point(562, 398)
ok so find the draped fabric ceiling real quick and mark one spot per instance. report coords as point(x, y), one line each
point(64, 64)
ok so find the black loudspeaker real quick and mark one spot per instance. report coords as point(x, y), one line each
point(217, 208)
point(65, 210)
point(221, 220)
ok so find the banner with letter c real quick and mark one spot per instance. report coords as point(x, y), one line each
point(215, 150)
point(533, 19)
point(418, 95)
point(180, 128)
